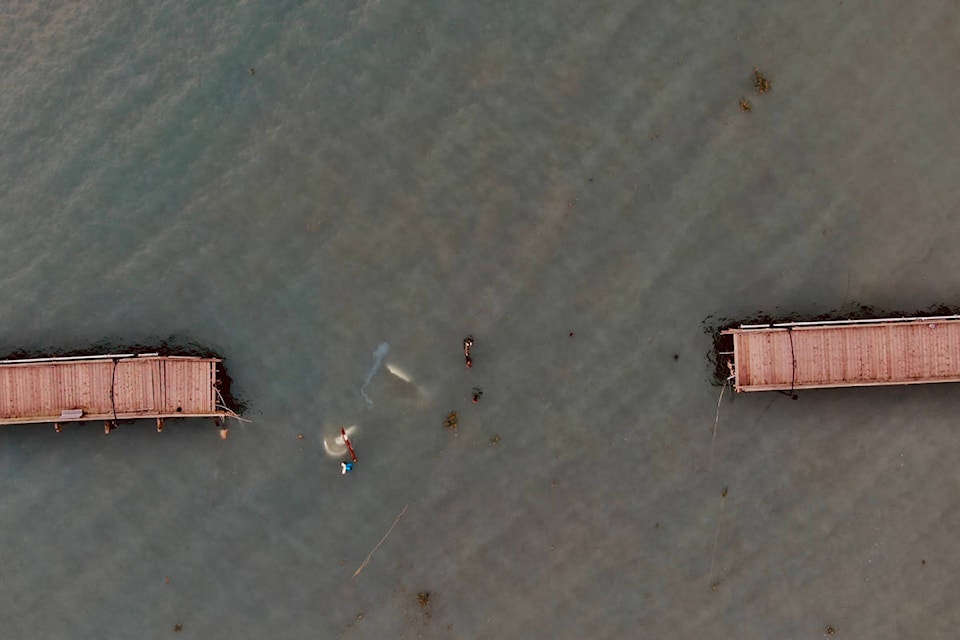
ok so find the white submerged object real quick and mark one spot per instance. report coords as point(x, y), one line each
point(399, 373)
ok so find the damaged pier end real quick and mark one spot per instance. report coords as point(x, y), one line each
point(845, 353)
point(110, 388)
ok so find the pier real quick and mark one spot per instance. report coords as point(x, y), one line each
point(846, 353)
point(109, 388)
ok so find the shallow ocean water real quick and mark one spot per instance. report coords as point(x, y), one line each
point(410, 173)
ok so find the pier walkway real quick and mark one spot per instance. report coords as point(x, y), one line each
point(852, 353)
point(110, 388)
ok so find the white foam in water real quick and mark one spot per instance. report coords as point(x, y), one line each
point(378, 357)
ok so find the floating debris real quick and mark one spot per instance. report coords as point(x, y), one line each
point(760, 82)
point(495, 440)
point(745, 105)
point(451, 421)
point(467, 345)
point(423, 598)
point(177, 628)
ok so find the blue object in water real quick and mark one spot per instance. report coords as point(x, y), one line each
point(346, 467)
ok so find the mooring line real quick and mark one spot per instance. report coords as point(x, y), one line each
point(716, 538)
point(716, 423)
point(382, 540)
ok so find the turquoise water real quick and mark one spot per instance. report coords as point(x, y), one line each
point(405, 174)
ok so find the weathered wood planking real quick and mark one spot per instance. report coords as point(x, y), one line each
point(102, 387)
point(809, 355)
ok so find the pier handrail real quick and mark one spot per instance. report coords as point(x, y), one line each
point(821, 323)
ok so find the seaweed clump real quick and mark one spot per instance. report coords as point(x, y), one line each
point(451, 420)
point(760, 81)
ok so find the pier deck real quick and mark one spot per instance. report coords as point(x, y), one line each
point(809, 355)
point(109, 388)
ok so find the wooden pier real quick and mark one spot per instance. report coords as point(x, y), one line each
point(854, 353)
point(109, 388)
